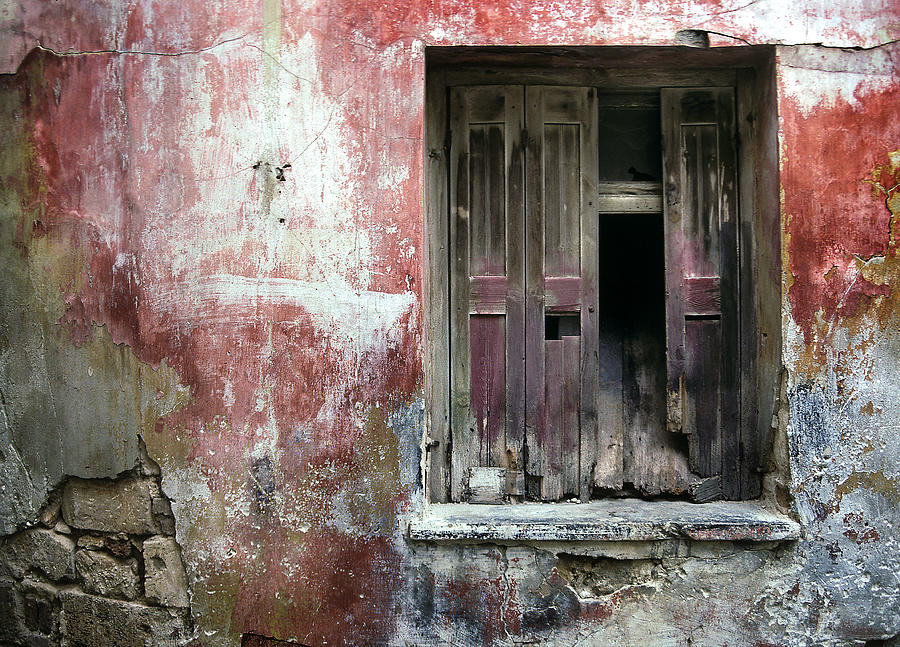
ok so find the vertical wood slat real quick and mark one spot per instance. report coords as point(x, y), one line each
point(496, 176)
point(751, 433)
point(654, 462)
point(487, 219)
point(562, 229)
point(571, 404)
point(536, 464)
point(673, 208)
point(515, 278)
point(702, 242)
point(487, 336)
point(479, 208)
point(437, 341)
point(552, 484)
point(730, 390)
point(703, 385)
point(594, 444)
point(463, 432)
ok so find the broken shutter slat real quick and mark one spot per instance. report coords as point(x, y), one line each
point(702, 314)
point(561, 275)
point(571, 419)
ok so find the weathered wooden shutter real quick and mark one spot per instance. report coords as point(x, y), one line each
point(702, 302)
point(487, 251)
point(561, 291)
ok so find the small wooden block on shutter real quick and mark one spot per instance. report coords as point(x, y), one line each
point(495, 485)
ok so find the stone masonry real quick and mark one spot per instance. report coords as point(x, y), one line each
point(100, 567)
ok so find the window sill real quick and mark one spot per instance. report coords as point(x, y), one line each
point(608, 520)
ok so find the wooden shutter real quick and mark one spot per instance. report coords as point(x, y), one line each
point(702, 303)
point(561, 290)
point(487, 327)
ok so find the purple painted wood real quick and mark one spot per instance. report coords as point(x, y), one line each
point(487, 337)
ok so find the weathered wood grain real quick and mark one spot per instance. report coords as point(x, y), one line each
point(437, 339)
point(703, 344)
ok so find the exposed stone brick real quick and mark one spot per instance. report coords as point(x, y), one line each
point(121, 506)
point(120, 545)
point(91, 542)
point(39, 613)
point(40, 550)
point(165, 581)
point(50, 514)
point(161, 505)
point(88, 621)
point(166, 526)
point(10, 628)
point(105, 575)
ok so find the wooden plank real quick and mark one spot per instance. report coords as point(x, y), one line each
point(674, 255)
point(590, 439)
point(562, 294)
point(487, 339)
point(703, 406)
point(487, 104)
point(487, 485)
point(702, 296)
point(655, 461)
point(629, 188)
point(515, 282)
point(609, 78)
point(496, 201)
point(732, 467)
point(437, 340)
point(536, 459)
point(700, 226)
point(487, 218)
point(636, 204)
point(479, 216)
point(464, 437)
point(571, 404)
point(551, 438)
point(750, 287)
point(569, 250)
point(487, 295)
point(553, 156)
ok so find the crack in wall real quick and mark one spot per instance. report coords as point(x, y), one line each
point(137, 52)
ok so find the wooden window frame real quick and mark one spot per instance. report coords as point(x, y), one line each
point(750, 72)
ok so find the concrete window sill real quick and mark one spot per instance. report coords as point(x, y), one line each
point(608, 520)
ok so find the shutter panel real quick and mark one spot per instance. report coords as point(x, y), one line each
point(702, 317)
point(561, 291)
point(486, 281)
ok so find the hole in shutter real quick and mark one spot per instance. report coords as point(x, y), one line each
point(557, 326)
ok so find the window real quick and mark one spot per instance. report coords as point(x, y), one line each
point(593, 281)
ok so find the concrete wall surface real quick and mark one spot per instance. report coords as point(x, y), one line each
point(212, 242)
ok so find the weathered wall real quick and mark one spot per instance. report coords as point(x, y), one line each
point(211, 231)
